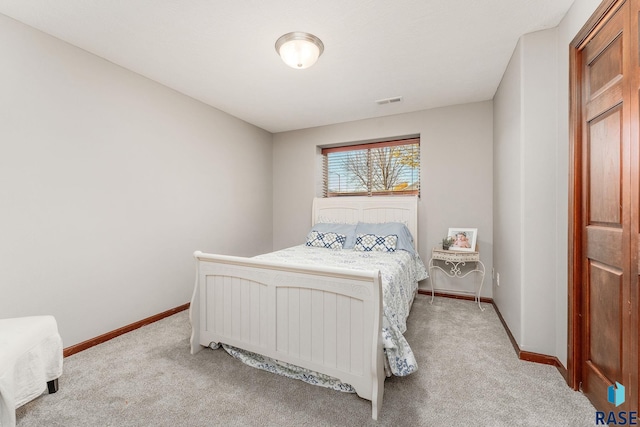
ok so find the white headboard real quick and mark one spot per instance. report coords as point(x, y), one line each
point(377, 209)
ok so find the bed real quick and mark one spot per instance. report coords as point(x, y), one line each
point(324, 317)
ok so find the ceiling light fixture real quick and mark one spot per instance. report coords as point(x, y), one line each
point(299, 50)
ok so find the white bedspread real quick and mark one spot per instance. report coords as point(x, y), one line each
point(400, 273)
point(30, 356)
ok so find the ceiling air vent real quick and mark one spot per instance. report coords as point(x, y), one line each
point(389, 100)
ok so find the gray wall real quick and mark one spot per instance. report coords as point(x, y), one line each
point(524, 188)
point(456, 176)
point(539, 242)
point(531, 186)
point(108, 184)
point(507, 195)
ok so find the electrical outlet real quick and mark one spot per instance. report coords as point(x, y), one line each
point(498, 279)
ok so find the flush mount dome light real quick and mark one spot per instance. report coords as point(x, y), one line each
point(299, 50)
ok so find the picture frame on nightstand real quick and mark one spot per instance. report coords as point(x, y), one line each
point(464, 239)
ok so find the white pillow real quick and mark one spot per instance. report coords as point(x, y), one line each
point(371, 242)
point(405, 239)
point(325, 240)
point(348, 230)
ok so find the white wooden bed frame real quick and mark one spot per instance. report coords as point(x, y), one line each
point(325, 319)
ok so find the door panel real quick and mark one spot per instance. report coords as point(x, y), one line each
point(605, 68)
point(605, 320)
point(609, 334)
point(606, 244)
point(604, 147)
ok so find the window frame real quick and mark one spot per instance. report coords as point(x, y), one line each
point(368, 146)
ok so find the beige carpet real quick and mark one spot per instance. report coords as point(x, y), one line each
point(468, 376)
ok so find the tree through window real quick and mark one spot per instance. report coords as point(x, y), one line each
point(381, 168)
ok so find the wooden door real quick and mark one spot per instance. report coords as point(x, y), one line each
point(605, 208)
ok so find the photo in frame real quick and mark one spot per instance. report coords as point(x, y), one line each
point(463, 239)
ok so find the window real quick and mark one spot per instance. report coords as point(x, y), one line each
point(381, 168)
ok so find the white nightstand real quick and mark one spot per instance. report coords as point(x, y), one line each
point(456, 259)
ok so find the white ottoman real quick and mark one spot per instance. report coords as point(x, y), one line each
point(30, 361)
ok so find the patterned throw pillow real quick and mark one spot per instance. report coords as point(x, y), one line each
point(326, 240)
point(371, 242)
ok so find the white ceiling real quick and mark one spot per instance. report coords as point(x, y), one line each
point(431, 52)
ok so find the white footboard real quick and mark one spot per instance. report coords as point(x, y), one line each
point(325, 319)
